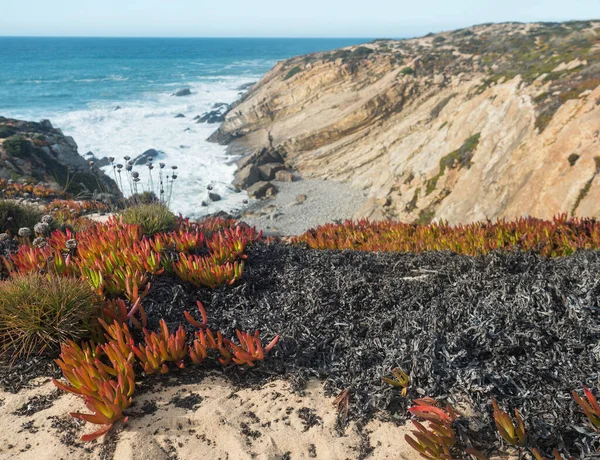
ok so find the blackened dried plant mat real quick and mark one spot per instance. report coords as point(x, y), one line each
point(515, 326)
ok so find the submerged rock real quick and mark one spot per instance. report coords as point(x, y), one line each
point(182, 92)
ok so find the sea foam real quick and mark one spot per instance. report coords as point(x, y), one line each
point(150, 123)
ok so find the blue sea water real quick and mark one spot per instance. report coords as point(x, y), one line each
point(78, 82)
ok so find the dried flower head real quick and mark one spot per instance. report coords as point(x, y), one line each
point(111, 159)
point(127, 157)
point(4, 237)
point(162, 165)
point(40, 242)
point(47, 219)
point(41, 228)
point(135, 174)
point(24, 232)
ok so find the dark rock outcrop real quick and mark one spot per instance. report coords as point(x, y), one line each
point(246, 176)
point(143, 158)
point(215, 115)
point(261, 190)
point(262, 165)
point(38, 151)
point(268, 170)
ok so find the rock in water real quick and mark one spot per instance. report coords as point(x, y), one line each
point(214, 196)
point(216, 114)
point(182, 92)
point(180, 115)
point(143, 158)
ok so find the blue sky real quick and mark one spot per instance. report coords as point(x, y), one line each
point(274, 18)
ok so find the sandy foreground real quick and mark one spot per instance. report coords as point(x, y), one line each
point(207, 419)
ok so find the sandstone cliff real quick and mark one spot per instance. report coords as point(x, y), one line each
point(40, 153)
point(496, 120)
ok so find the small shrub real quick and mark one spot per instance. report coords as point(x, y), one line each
point(6, 131)
point(153, 218)
point(293, 71)
point(573, 159)
point(362, 51)
point(17, 146)
point(14, 215)
point(408, 71)
point(38, 312)
point(439, 39)
point(142, 198)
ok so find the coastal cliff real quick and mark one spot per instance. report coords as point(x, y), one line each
point(498, 120)
point(39, 153)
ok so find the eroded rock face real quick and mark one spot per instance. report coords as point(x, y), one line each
point(460, 126)
point(39, 151)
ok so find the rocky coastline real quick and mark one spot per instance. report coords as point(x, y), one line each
point(458, 126)
point(39, 153)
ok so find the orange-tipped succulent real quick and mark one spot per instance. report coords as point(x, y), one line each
point(159, 349)
point(589, 406)
point(106, 389)
point(400, 380)
point(513, 434)
point(190, 319)
point(250, 348)
point(437, 439)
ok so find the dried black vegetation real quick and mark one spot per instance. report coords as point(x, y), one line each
point(518, 327)
point(15, 376)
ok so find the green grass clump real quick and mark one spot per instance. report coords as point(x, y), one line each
point(293, 71)
point(408, 71)
point(15, 215)
point(38, 312)
point(153, 218)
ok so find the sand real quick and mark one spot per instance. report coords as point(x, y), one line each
point(207, 419)
point(325, 201)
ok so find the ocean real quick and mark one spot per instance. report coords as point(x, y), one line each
point(77, 83)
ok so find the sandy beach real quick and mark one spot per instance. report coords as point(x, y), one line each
point(211, 419)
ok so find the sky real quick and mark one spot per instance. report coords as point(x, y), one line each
point(274, 18)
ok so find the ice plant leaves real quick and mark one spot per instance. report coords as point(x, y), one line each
point(400, 380)
point(560, 236)
point(437, 439)
point(513, 434)
point(589, 406)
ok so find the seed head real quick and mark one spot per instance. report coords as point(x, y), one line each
point(41, 228)
point(40, 242)
point(47, 219)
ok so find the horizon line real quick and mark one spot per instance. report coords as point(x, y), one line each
point(205, 37)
